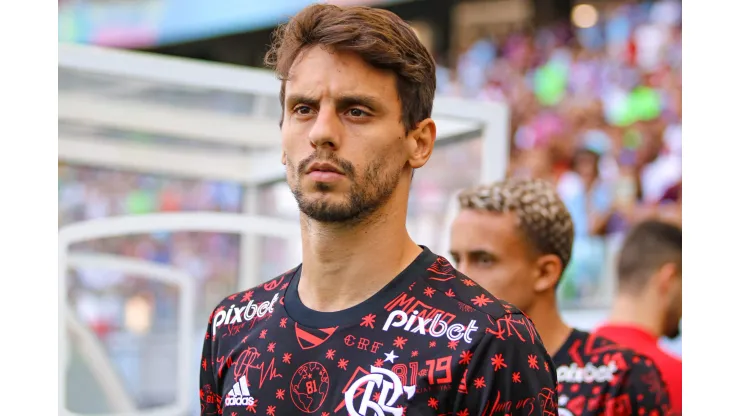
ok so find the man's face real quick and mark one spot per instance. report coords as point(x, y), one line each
point(343, 139)
point(489, 248)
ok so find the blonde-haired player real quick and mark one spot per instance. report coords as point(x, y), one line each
point(515, 238)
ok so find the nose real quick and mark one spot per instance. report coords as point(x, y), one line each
point(326, 129)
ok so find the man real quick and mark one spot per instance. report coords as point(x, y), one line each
point(648, 302)
point(514, 238)
point(370, 323)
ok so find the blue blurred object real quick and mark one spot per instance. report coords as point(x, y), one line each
point(156, 23)
point(591, 37)
point(597, 141)
point(617, 28)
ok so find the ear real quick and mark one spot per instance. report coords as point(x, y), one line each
point(420, 143)
point(549, 269)
point(283, 158)
point(665, 277)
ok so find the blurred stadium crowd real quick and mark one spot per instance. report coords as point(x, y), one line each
point(596, 110)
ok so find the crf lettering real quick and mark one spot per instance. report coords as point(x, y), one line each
point(361, 343)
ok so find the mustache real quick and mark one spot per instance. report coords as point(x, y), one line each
point(346, 166)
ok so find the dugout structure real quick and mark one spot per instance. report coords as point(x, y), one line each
point(179, 119)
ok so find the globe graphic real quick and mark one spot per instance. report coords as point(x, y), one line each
point(309, 386)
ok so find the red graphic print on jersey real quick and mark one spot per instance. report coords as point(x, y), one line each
point(598, 377)
point(431, 342)
point(310, 338)
point(309, 386)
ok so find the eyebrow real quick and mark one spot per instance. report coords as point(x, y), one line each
point(476, 253)
point(344, 101)
point(294, 99)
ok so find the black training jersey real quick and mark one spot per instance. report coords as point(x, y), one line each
point(598, 377)
point(431, 342)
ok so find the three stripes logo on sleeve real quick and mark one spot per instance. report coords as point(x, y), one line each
point(239, 394)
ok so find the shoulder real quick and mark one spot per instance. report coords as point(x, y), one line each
point(494, 316)
point(670, 366)
point(252, 303)
point(637, 341)
point(471, 297)
point(620, 359)
point(593, 359)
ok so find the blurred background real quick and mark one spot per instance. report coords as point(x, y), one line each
point(585, 94)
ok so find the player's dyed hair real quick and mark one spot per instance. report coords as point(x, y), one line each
point(541, 214)
point(648, 246)
point(380, 37)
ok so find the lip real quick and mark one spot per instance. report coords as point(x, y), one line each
point(323, 176)
point(324, 172)
point(323, 167)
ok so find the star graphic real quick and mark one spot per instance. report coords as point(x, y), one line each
point(390, 357)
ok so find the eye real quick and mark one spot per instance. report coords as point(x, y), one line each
point(356, 112)
point(485, 261)
point(302, 109)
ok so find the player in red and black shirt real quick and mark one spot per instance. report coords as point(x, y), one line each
point(370, 323)
point(515, 239)
point(431, 342)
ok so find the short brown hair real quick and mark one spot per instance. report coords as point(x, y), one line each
point(380, 37)
point(648, 246)
point(541, 214)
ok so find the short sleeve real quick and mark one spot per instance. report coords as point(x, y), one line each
point(510, 373)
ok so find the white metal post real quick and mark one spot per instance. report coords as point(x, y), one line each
point(249, 246)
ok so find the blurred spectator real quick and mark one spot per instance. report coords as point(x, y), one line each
point(590, 202)
point(596, 110)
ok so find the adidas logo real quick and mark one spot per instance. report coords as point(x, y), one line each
point(239, 394)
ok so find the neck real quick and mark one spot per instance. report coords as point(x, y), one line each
point(344, 265)
point(550, 325)
point(638, 312)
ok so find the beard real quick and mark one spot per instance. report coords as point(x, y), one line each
point(366, 195)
